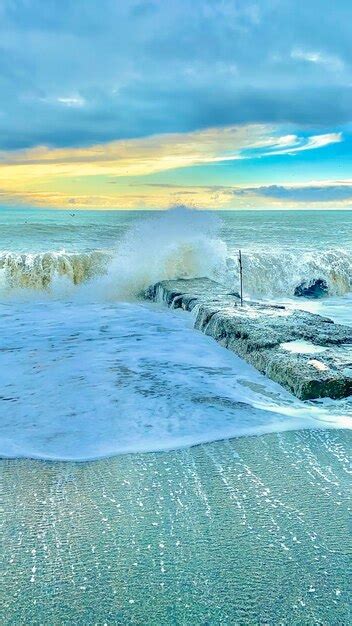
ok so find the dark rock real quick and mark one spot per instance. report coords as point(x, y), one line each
point(316, 288)
point(234, 293)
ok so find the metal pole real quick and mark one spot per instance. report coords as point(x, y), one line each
point(241, 275)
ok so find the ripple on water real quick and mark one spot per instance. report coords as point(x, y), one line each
point(245, 531)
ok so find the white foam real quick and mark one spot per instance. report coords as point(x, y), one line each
point(275, 270)
point(302, 347)
point(172, 244)
point(179, 243)
point(82, 381)
point(85, 375)
point(336, 308)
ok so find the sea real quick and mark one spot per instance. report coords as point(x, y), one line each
point(89, 369)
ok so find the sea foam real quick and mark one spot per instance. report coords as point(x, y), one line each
point(88, 371)
point(86, 381)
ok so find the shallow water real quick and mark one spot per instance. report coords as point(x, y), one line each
point(250, 531)
point(82, 381)
point(90, 371)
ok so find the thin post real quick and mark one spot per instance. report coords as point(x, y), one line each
point(241, 275)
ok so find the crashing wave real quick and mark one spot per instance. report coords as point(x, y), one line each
point(180, 243)
point(278, 272)
point(176, 244)
point(40, 271)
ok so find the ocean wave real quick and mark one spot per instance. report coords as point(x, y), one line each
point(277, 272)
point(177, 243)
point(39, 271)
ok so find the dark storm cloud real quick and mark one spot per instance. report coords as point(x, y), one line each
point(75, 73)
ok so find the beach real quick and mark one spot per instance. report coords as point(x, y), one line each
point(254, 530)
point(176, 313)
point(150, 475)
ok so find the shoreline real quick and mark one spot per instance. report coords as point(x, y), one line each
point(249, 530)
point(173, 448)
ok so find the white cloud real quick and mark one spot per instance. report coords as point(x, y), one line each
point(330, 61)
point(157, 153)
point(310, 143)
point(71, 101)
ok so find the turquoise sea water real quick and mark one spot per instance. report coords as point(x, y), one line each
point(29, 230)
point(237, 530)
point(280, 248)
point(90, 369)
point(251, 531)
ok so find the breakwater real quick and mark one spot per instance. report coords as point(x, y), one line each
point(308, 354)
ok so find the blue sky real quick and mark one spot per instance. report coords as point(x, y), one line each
point(269, 81)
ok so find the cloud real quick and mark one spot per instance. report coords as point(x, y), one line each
point(325, 195)
point(309, 193)
point(134, 157)
point(98, 72)
point(330, 61)
point(71, 101)
point(63, 176)
point(291, 144)
point(107, 175)
point(137, 157)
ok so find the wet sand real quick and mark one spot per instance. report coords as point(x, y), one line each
point(254, 530)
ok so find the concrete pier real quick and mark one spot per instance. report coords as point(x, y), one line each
point(308, 354)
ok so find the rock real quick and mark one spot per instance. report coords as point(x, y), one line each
point(315, 288)
point(257, 332)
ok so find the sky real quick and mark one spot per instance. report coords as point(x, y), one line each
point(143, 104)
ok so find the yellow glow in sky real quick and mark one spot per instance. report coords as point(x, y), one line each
point(115, 174)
